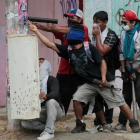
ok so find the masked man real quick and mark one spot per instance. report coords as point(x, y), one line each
point(51, 106)
point(130, 62)
point(66, 82)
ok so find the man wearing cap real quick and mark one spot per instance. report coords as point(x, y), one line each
point(88, 71)
point(66, 82)
point(130, 62)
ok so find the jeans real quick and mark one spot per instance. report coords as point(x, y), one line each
point(50, 113)
point(127, 92)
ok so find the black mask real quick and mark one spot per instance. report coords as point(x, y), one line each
point(71, 23)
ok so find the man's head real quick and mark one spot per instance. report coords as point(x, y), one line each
point(41, 61)
point(75, 16)
point(129, 20)
point(100, 18)
point(76, 35)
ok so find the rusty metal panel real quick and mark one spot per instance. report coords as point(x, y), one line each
point(114, 8)
point(2, 66)
point(24, 76)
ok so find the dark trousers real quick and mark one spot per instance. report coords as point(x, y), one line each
point(127, 92)
point(99, 105)
point(67, 89)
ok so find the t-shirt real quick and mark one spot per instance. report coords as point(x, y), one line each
point(82, 64)
point(109, 38)
point(64, 65)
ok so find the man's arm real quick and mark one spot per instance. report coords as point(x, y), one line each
point(43, 39)
point(123, 65)
point(52, 28)
point(103, 70)
point(102, 48)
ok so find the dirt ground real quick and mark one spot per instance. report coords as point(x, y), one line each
point(63, 128)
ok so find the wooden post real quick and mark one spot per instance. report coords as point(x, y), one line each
point(15, 25)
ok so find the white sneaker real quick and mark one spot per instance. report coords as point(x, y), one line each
point(45, 136)
point(94, 129)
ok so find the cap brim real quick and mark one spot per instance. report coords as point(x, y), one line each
point(69, 14)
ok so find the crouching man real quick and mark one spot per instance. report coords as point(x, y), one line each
point(51, 107)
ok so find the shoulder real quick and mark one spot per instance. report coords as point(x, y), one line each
point(111, 33)
point(52, 79)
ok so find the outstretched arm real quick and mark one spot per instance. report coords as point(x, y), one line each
point(49, 27)
point(43, 39)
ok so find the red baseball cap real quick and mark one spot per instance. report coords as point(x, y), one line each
point(129, 15)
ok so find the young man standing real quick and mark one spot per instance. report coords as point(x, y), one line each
point(66, 82)
point(130, 62)
point(88, 70)
point(105, 41)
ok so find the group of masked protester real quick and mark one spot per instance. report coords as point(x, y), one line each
point(82, 61)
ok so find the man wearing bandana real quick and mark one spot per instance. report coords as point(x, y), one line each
point(88, 71)
point(66, 82)
point(130, 62)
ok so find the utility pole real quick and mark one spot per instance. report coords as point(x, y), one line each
point(16, 13)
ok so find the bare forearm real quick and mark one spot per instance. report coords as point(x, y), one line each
point(123, 65)
point(103, 69)
point(47, 42)
point(99, 46)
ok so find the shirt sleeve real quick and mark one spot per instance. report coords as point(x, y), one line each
point(111, 39)
point(54, 88)
point(63, 51)
point(95, 54)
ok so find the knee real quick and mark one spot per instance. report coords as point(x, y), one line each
point(50, 102)
point(24, 124)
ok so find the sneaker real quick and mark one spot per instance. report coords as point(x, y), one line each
point(80, 127)
point(107, 127)
point(94, 129)
point(119, 128)
point(134, 124)
point(45, 136)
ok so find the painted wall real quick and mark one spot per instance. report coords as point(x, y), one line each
point(114, 8)
point(2, 54)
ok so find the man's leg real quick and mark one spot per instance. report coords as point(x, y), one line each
point(53, 113)
point(118, 100)
point(127, 92)
point(84, 94)
point(67, 89)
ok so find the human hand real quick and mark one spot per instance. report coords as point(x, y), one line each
point(125, 76)
point(50, 26)
point(95, 31)
point(42, 95)
point(32, 27)
point(104, 81)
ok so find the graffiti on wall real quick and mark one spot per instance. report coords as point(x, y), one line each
point(67, 5)
point(122, 10)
